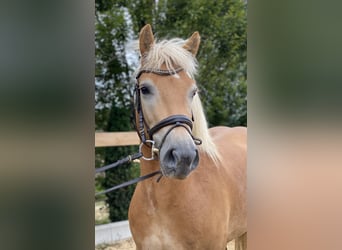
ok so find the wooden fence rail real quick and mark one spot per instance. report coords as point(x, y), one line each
point(110, 139)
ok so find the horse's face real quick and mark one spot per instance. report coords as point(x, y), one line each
point(162, 97)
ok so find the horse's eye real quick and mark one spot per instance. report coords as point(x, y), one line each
point(145, 90)
point(194, 92)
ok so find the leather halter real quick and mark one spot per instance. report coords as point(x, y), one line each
point(175, 120)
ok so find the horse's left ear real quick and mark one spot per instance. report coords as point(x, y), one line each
point(192, 44)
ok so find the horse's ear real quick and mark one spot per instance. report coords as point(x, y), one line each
point(192, 44)
point(146, 39)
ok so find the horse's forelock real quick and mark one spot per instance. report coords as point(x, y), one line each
point(171, 54)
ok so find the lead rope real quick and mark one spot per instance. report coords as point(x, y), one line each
point(127, 159)
point(127, 183)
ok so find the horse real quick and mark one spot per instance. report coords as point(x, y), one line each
point(199, 201)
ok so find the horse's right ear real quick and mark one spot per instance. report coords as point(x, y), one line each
point(146, 39)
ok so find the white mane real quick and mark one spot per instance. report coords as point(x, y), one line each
point(171, 54)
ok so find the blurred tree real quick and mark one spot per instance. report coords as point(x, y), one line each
point(112, 100)
point(222, 56)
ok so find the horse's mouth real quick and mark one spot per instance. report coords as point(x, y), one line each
point(172, 173)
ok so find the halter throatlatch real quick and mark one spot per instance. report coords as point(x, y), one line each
point(175, 120)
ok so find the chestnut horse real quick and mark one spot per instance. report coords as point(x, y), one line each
point(200, 202)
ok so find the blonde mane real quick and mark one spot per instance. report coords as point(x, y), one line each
point(201, 131)
point(172, 55)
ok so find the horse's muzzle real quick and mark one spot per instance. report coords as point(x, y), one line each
point(179, 162)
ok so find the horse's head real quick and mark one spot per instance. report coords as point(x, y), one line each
point(165, 92)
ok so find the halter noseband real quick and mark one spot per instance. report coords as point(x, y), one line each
point(175, 120)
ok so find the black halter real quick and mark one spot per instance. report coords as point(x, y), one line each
point(175, 120)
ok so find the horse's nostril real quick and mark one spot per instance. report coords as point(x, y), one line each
point(175, 155)
point(172, 158)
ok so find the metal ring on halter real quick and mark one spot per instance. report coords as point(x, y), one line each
point(153, 149)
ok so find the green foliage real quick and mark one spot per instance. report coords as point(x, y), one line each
point(222, 75)
point(112, 73)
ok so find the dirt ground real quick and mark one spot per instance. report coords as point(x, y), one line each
point(120, 245)
point(129, 245)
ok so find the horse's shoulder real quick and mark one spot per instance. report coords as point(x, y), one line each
point(229, 139)
point(233, 133)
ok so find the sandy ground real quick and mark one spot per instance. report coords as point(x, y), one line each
point(129, 245)
point(122, 245)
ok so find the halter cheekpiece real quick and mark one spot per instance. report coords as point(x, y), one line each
point(173, 120)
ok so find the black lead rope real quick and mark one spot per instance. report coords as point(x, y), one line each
point(119, 162)
point(127, 183)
